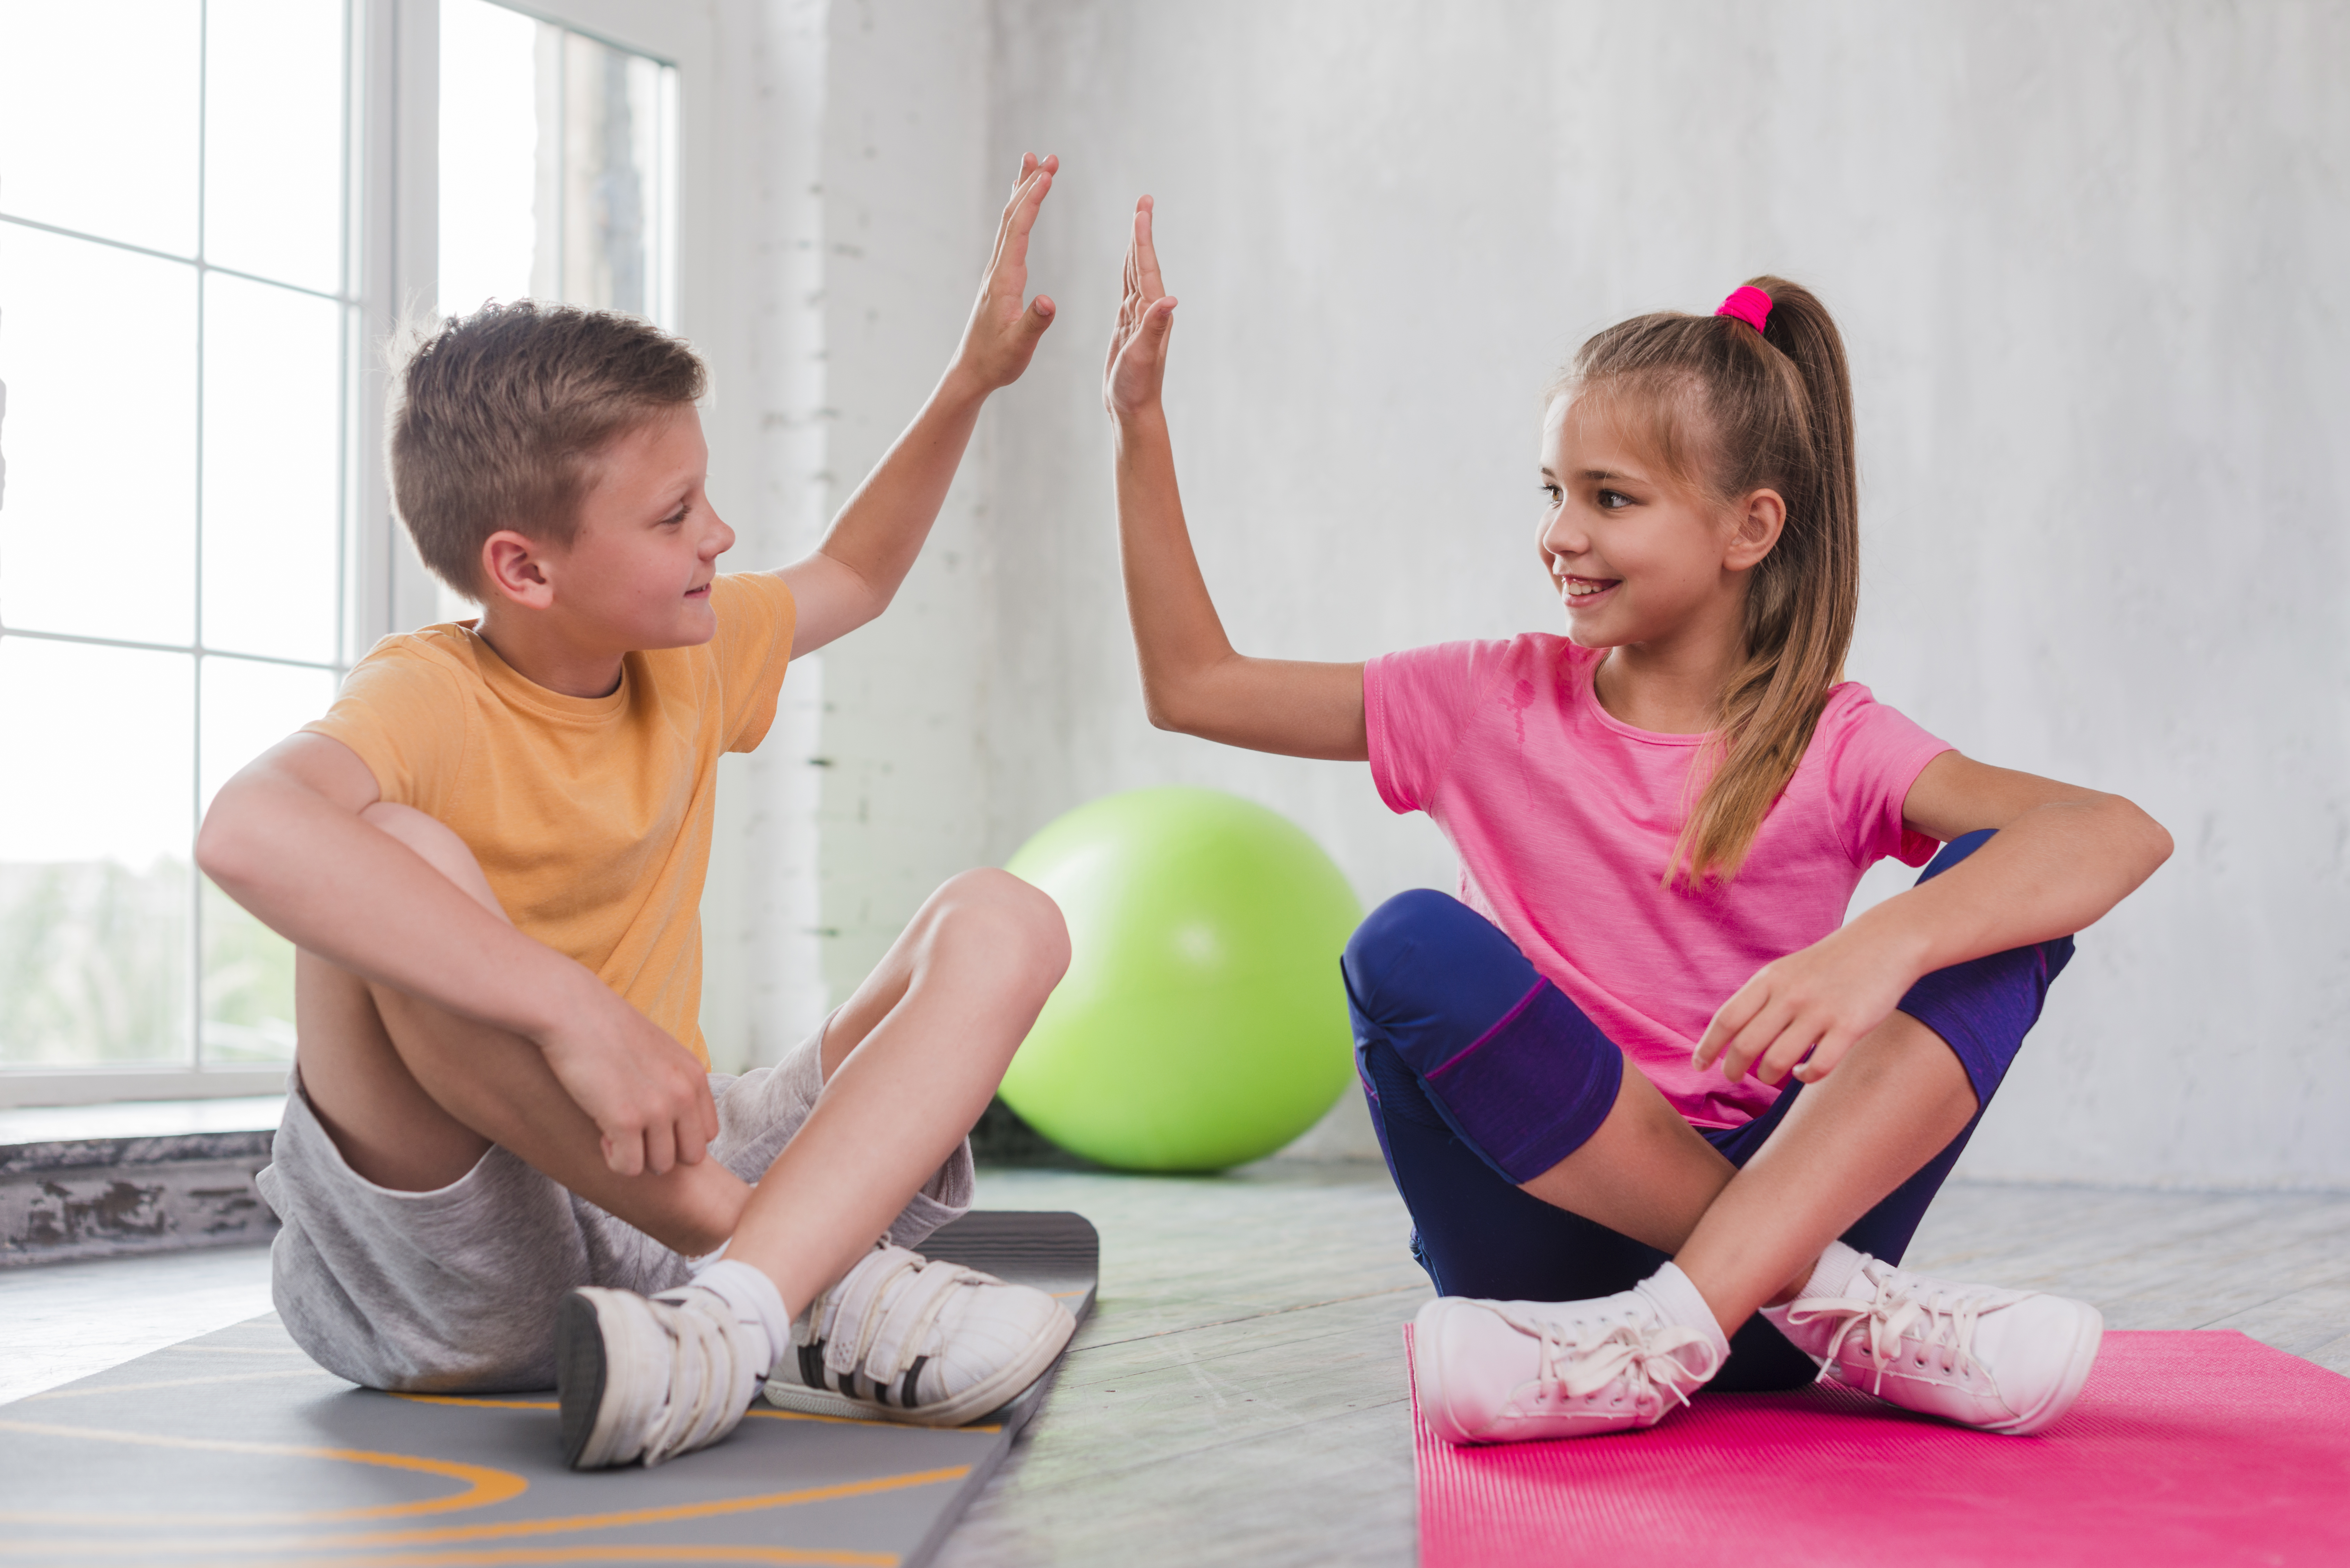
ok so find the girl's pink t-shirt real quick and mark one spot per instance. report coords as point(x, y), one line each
point(1565, 819)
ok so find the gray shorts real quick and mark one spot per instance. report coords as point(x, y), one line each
point(455, 1290)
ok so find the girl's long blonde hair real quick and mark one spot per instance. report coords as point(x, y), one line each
point(1731, 409)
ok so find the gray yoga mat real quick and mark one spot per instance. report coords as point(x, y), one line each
point(234, 1449)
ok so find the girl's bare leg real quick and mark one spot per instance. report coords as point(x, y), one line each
point(1747, 1238)
point(1895, 1102)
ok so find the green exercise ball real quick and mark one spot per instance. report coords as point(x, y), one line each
point(1202, 1022)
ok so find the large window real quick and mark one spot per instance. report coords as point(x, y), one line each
point(177, 336)
point(201, 217)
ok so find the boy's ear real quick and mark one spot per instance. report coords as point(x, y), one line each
point(516, 567)
point(1762, 516)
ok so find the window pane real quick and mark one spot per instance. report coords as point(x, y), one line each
point(248, 988)
point(273, 374)
point(555, 165)
point(98, 118)
point(611, 116)
point(94, 818)
point(274, 143)
point(98, 349)
point(490, 71)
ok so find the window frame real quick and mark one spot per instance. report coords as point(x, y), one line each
point(392, 136)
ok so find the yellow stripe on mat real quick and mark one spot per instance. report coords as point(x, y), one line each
point(483, 1487)
point(55, 1548)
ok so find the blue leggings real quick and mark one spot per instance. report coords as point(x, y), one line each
point(1482, 1075)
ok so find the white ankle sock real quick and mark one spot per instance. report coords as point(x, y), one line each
point(1832, 1275)
point(1676, 1296)
point(755, 1300)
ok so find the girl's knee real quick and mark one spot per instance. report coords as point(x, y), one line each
point(1422, 949)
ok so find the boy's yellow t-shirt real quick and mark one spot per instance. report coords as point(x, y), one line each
point(590, 815)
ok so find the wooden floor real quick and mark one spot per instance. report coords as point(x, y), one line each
point(1239, 1397)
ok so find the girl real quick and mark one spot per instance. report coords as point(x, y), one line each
point(1660, 818)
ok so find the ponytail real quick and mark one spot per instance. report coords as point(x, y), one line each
point(1765, 409)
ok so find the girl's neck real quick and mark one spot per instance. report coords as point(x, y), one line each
point(1669, 689)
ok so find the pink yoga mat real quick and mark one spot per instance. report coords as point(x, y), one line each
point(2196, 1448)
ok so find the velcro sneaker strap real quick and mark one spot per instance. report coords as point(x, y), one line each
point(855, 1311)
point(913, 1308)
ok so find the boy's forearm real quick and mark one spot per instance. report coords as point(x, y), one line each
point(881, 530)
point(329, 883)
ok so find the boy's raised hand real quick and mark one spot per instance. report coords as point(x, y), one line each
point(1138, 346)
point(1003, 334)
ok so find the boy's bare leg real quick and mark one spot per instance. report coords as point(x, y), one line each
point(910, 1062)
point(413, 1095)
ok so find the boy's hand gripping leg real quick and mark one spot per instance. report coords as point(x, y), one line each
point(415, 1093)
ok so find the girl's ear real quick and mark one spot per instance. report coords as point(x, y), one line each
point(1762, 516)
point(514, 564)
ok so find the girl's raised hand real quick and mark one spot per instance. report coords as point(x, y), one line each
point(1138, 347)
point(1001, 335)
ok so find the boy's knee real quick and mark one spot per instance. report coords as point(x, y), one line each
point(435, 844)
point(1016, 919)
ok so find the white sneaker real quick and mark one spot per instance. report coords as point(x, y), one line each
point(931, 1342)
point(643, 1379)
point(2005, 1361)
point(1503, 1371)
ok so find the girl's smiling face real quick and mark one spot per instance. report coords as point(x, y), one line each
point(1638, 558)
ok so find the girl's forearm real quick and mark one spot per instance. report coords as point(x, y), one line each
point(2055, 869)
point(1178, 636)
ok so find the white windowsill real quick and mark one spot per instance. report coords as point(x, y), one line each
point(140, 1118)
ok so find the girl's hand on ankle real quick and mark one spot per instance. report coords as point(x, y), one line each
point(1138, 346)
point(1801, 1013)
point(1002, 336)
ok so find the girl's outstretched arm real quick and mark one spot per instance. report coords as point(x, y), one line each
point(1192, 680)
point(2063, 855)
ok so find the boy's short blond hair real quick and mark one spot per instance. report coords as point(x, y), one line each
point(497, 417)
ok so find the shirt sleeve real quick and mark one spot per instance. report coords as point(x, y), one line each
point(402, 710)
point(1874, 754)
point(1417, 704)
point(755, 617)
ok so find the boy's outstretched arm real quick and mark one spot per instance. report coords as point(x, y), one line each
point(286, 838)
point(865, 554)
point(1192, 680)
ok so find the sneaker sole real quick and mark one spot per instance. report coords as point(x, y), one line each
point(2088, 1336)
point(593, 1403)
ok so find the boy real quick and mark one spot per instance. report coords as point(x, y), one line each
point(502, 1163)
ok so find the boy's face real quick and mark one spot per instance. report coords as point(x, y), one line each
point(637, 573)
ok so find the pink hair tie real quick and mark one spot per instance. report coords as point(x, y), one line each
point(1750, 306)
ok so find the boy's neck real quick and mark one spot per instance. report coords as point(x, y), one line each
point(538, 648)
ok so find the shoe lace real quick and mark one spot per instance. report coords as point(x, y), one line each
point(1938, 1321)
point(1648, 1359)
